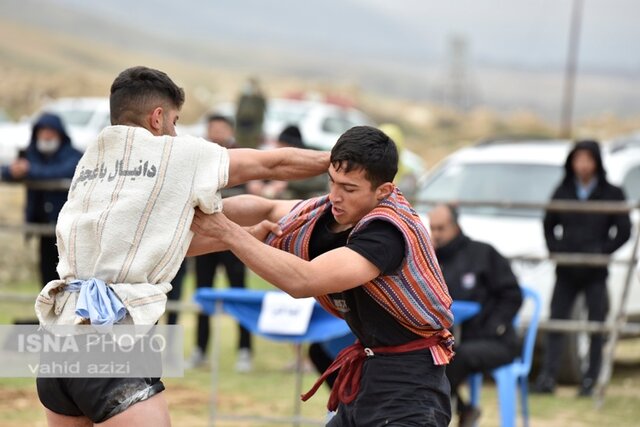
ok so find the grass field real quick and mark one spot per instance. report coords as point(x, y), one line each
point(269, 389)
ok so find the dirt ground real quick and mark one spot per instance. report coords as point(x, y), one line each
point(269, 390)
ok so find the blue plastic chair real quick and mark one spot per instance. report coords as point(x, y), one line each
point(516, 374)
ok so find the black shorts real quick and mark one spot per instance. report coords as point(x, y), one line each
point(399, 390)
point(96, 398)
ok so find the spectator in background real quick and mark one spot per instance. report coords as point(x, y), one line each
point(298, 189)
point(406, 179)
point(590, 233)
point(250, 115)
point(475, 271)
point(220, 131)
point(49, 156)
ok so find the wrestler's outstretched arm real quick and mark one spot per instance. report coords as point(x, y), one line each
point(333, 271)
point(280, 164)
point(247, 209)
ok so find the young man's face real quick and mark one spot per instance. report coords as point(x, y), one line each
point(352, 195)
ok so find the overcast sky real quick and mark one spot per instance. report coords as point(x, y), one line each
point(516, 49)
point(527, 32)
point(532, 33)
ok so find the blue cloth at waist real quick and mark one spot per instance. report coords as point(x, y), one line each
point(97, 302)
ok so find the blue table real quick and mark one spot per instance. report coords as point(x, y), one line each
point(245, 306)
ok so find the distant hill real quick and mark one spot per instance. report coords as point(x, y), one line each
point(213, 45)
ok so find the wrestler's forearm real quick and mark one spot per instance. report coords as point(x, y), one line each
point(248, 210)
point(201, 245)
point(282, 269)
point(281, 164)
point(295, 163)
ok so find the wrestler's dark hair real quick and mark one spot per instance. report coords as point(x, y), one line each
point(367, 148)
point(137, 91)
point(215, 117)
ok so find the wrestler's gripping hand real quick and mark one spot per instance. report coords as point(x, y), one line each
point(261, 230)
point(218, 226)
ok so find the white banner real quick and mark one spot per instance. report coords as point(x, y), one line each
point(281, 314)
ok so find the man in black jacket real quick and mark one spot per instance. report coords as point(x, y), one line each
point(592, 233)
point(475, 271)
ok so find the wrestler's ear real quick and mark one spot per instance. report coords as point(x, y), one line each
point(156, 121)
point(383, 190)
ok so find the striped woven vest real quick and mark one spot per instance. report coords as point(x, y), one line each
point(416, 295)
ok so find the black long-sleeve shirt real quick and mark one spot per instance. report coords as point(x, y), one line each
point(475, 271)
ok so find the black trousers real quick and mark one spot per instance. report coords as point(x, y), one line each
point(474, 355)
point(398, 390)
point(206, 266)
point(564, 297)
point(176, 292)
point(48, 259)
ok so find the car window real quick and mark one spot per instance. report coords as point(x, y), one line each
point(631, 184)
point(528, 183)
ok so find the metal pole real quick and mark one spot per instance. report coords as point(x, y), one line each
point(297, 405)
point(49, 185)
point(62, 184)
point(621, 317)
point(570, 72)
point(215, 361)
point(618, 207)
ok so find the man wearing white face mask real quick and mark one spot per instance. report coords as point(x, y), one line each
point(48, 156)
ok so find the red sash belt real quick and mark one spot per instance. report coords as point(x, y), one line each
point(349, 361)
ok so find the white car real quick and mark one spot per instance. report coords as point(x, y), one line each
point(83, 118)
point(320, 123)
point(529, 171)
